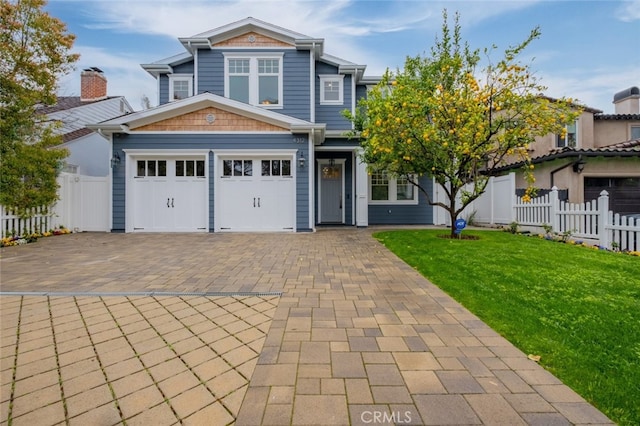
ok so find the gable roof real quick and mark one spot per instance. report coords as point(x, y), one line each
point(235, 29)
point(128, 123)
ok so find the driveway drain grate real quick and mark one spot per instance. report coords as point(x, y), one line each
point(142, 293)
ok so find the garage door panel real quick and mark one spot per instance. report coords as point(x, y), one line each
point(259, 202)
point(171, 202)
point(237, 206)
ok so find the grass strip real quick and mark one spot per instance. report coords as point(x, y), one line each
point(576, 307)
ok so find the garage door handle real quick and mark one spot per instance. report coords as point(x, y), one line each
point(167, 202)
point(258, 201)
point(172, 203)
point(254, 201)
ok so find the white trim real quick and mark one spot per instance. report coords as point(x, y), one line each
point(353, 187)
point(212, 132)
point(195, 72)
point(353, 100)
point(362, 188)
point(312, 87)
point(393, 195)
point(254, 75)
point(331, 78)
point(319, 163)
point(180, 77)
point(312, 167)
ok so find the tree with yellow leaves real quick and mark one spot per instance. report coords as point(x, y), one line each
point(445, 117)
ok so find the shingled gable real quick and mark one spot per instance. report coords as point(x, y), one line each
point(207, 113)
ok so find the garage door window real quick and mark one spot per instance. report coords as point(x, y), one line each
point(237, 168)
point(276, 167)
point(148, 168)
point(190, 168)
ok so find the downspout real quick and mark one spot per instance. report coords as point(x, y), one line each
point(312, 136)
point(109, 177)
point(195, 71)
point(312, 176)
point(312, 78)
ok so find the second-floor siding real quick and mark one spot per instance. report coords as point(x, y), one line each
point(330, 111)
point(268, 67)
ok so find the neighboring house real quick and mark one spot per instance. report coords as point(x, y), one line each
point(89, 153)
point(599, 152)
point(249, 136)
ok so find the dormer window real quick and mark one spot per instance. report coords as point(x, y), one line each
point(331, 89)
point(255, 79)
point(180, 86)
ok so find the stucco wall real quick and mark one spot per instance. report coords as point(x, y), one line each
point(568, 179)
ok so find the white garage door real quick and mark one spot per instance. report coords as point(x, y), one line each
point(255, 194)
point(170, 195)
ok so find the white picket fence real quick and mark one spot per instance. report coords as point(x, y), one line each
point(83, 206)
point(589, 221)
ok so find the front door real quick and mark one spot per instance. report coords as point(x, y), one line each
point(331, 192)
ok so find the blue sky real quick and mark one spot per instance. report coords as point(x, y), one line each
point(588, 50)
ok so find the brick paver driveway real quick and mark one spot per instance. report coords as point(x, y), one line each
point(323, 328)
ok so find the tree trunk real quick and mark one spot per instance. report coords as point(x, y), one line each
point(452, 212)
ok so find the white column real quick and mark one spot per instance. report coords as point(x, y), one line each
point(362, 192)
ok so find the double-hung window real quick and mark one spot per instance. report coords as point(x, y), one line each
point(385, 189)
point(255, 79)
point(331, 90)
point(180, 86)
point(570, 137)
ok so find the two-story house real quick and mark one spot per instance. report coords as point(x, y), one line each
point(598, 152)
point(249, 135)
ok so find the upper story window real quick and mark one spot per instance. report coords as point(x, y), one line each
point(635, 132)
point(384, 189)
point(331, 89)
point(570, 138)
point(255, 79)
point(180, 86)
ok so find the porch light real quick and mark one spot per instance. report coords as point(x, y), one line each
point(578, 166)
point(115, 160)
point(301, 160)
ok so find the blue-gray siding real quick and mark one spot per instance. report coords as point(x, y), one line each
point(402, 214)
point(332, 114)
point(212, 142)
point(163, 96)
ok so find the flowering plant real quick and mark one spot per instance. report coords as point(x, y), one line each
point(17, 240)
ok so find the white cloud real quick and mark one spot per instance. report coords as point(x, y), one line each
point(629, 11)
point(594, 87)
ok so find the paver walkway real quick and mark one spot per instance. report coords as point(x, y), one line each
point(357, 337)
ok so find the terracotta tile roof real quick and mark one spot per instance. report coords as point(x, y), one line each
point(629, 148)
point(633, 143)
point(616, 117)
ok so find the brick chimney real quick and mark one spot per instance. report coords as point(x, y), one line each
point(627, 101)
point(93, 84)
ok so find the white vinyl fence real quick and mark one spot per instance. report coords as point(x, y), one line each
point(83, 206)
point(591, 220)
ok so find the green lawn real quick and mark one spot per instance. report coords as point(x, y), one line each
point(576, 307)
